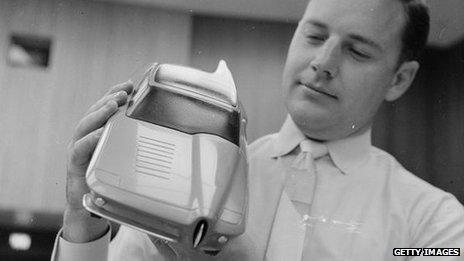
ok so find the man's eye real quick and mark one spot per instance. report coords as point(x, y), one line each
point(359, 55)
point(315, 39)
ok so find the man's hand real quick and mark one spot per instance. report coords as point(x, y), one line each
point(78, 225)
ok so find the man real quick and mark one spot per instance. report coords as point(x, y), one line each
point(318, 189)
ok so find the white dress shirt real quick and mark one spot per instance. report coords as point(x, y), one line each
point(365, 204)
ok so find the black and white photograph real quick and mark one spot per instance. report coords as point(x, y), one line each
point(232, 130)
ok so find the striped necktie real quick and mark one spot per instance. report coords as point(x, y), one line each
point(301, 176)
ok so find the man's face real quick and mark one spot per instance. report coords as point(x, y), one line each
point(340, 65)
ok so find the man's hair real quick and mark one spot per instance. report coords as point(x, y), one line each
point(415, 30)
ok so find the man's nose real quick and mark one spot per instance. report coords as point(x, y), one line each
point(326, 61)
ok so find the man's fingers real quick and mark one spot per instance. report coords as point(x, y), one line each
point(126, 86)
point(118, 92)
point(99, 113)
point(95, 120)
point(82, 150)
point(120, 97)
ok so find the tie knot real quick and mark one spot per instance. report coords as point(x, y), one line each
point(316, 149)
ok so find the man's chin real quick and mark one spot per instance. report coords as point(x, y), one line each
point(313, 125)
point(309, 113)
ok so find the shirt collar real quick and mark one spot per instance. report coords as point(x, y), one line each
point(348, 154)
point(288, 138)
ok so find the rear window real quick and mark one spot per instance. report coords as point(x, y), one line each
point(187, 114)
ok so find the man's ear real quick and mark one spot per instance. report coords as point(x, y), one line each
point(402, 80)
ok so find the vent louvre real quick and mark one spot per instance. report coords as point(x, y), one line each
point(154, 157)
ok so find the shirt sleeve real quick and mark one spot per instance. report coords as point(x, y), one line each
point(95, 250)
point(442, 227)
point(128, 244)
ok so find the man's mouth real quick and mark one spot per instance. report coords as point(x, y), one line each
point(317, 89)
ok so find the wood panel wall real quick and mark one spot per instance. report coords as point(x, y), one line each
point(95, 45)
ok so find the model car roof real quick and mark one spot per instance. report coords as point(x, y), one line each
point(218, 85)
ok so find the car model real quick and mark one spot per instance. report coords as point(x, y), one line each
point(172, 163)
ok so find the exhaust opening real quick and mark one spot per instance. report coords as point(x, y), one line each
point(199, 232)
